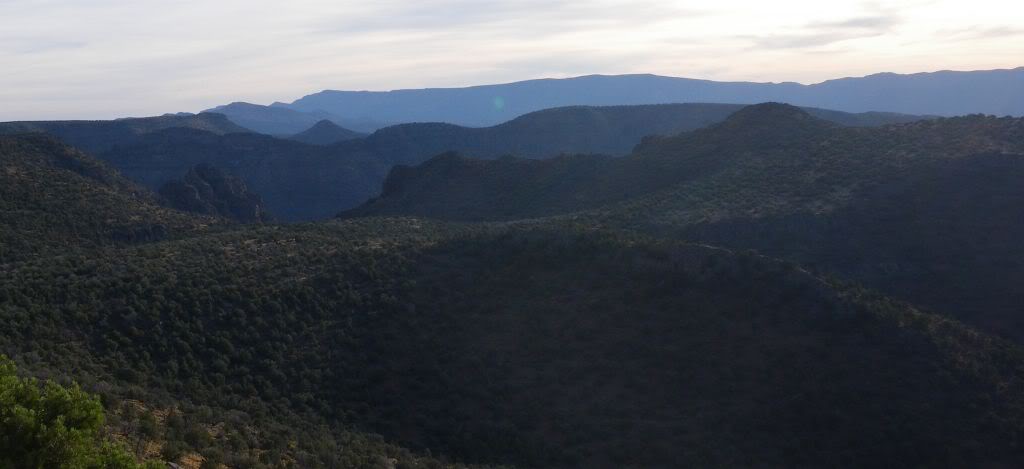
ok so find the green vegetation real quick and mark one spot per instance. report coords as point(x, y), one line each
point(511, 345)
point(302, 182)
point(54, 199)
point(209, 191)
point(52, 426)
point(596, 338)
point(928, 212)
point(764, 159)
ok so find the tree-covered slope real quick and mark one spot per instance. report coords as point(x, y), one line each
point(543, 346)
point(774, 149)
point(924, 211)
point(65, 215)
point(209, 191)
point(402, 342)
point(53, 198)
point(944, 235)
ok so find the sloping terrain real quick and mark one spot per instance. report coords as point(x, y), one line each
point(768, 135)
point(550, 346)
point(945, 236)
point(209, 191)
point(68, 223)
point(54, 198)
point(924, 211)
point(296, 180)
point(566, 342)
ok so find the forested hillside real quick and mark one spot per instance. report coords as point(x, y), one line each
point(891, 207)
point(594, 336)
point(53, 198)
point(492, 345)
point(69, 222)
point(575, 271)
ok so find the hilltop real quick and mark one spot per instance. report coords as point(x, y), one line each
point(325, 132)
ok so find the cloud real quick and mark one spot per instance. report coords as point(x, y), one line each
point(804, 40)
point(872, 23)
point(980, 33)
point(525, 17)
point(816, 34)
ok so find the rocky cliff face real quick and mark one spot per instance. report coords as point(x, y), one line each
point(208, 190)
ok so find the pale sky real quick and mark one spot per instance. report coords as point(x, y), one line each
point(74, 59)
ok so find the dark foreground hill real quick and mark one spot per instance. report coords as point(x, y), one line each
point(549, 346)
point(304, 182)
point(67, 215)
point(925, 211)
point(945, 93)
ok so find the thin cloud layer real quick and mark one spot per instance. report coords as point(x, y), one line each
point(109, 58)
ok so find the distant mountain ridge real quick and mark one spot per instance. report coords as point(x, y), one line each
point(99, 136)
point(279, 121)
point(302, 182)
point(944, 93)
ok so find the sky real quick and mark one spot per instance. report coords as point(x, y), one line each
point(98, 59)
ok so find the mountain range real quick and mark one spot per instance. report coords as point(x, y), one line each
point(944, 93)
point(406, 342)
point(303, 181)
point(643, 285)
